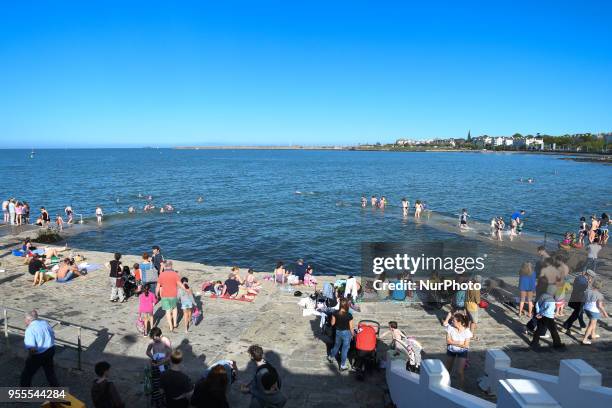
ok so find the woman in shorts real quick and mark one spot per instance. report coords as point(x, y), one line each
point(527, 284)
point(458, 337)
point(594, 309)
point(187, 302)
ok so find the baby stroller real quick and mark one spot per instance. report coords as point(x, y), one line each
point(364, 347)
point(129, 285)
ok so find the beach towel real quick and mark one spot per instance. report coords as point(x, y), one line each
point(17, 252)
point(88, 267)
point(226, 297)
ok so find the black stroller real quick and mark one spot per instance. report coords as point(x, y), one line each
point(129, 283)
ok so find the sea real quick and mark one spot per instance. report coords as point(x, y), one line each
point(262, 206)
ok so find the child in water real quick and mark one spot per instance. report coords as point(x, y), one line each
point(463, 219)
point(59, 221)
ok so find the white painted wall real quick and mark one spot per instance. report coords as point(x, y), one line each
point(577, 386)
point(432, 389)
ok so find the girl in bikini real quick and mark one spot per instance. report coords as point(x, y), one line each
point(280, 273)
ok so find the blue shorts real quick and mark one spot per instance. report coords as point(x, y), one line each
point(592, 315)
point(459, 354)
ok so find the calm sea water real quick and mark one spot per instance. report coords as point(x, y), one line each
point(263, 205)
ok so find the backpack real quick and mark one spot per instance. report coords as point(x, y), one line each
point(270, 369)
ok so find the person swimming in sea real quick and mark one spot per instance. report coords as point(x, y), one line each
point(374, 202)
point(131, 210)
point(364, 202)
point(200, 199)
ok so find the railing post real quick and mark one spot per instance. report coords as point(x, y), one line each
point(79, 350)
point(6, 336)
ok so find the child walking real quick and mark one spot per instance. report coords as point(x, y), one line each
point(146, 303)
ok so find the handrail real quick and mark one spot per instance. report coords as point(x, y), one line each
point(79, 328)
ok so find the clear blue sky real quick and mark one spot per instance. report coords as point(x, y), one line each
point(89, 73)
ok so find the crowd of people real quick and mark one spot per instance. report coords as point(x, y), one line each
point(168, 385)
point(420, 207)
point(15, 212)
point(545, 288)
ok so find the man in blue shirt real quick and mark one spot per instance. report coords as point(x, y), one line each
point(545, 314)
point(39, 340)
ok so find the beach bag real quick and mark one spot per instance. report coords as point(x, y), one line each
point(196, 316)
point(140, 324)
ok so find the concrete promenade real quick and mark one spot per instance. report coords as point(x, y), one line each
point(273, 320)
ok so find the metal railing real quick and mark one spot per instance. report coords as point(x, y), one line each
point(17, 330)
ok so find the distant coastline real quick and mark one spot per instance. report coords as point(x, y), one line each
point(574, 156)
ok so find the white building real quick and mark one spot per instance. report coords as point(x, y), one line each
point(534, 143)
point(530, 143)
point(499, 141)
point(483, 141)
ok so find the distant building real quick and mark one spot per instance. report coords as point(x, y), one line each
point(483, 141)
point(444, 142)
point(529, 143)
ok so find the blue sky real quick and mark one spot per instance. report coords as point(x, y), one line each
point(110, 73)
